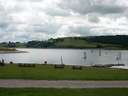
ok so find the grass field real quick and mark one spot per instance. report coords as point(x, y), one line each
point(72, 43)
point(84, 43)
point(63, 92)
point(48, 72)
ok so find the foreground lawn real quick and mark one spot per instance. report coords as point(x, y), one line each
point(48, 72)
point(63, 92)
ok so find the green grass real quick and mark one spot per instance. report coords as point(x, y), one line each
point(48, 72)
point(72, 43)
point(63, 92)
point(84, 43)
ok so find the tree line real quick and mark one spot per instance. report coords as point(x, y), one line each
point(51, 43)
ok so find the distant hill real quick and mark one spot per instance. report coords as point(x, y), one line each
point(108, 42)
point(73, 42)
point(118, 39)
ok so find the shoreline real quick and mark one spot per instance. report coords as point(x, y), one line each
point(7, 52)
point(114, 66)
point(78, 49)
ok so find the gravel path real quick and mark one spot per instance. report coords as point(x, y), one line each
point(62, 84)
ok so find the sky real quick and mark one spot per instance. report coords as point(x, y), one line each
point(24, 20)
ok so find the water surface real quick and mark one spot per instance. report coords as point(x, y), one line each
point(70, 56)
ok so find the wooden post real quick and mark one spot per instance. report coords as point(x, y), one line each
point(62, 61)
point(99, 52)
point(118, 57)
point(85, 56)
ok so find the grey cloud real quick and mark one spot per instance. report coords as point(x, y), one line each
point(94, 18)
point(49, 28)
point(91, 6)
point(4, 23)
point(108, 9)
point(82, 31)
point(4, 20)
point(57, 12)
point(76, 31)
point(3, 26)
point(36, 0)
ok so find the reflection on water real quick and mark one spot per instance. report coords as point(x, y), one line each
point(70, 56)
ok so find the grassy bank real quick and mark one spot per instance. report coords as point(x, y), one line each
point(48, 72)
point(8, 49)
point(73, 43)
point(63, 92)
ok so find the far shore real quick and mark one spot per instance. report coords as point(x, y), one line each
point(6, 52)
point(70, 48)
point(9, 50)
point(76, 48)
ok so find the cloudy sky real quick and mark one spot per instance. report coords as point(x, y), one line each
point(23, 20)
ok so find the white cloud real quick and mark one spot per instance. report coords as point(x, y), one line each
point(22, 20)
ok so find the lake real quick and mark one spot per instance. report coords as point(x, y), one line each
point(70, 56)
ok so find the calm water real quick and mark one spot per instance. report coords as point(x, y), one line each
point(70, 56)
